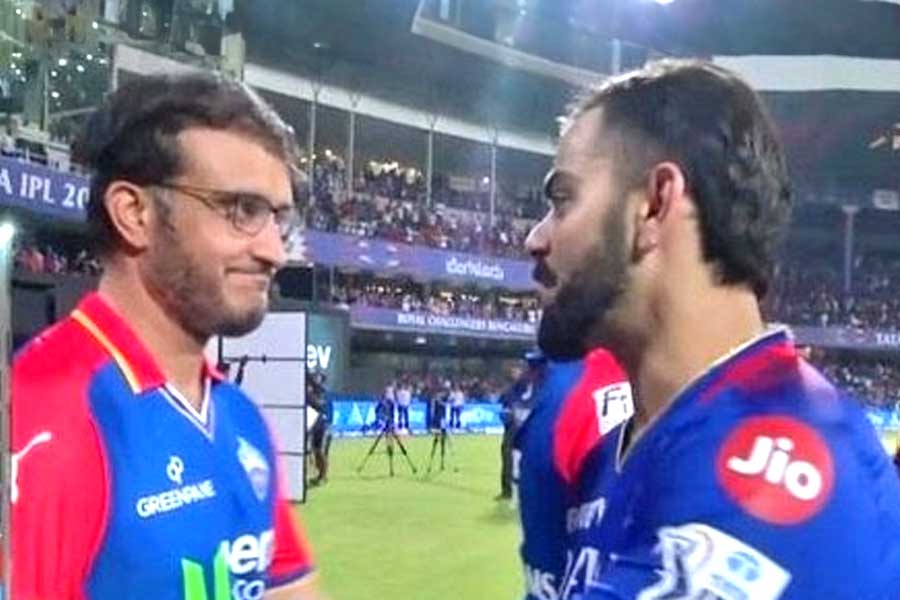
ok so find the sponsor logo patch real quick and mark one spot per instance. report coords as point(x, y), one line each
point(184, 494)
point(614, 405)
point(776, 468)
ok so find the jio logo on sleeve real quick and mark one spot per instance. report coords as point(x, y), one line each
point(776, 468)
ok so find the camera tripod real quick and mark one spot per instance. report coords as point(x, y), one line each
point(390, 437)
point(442, 440)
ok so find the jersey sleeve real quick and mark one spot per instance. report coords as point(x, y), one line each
point(292, 559)
point(773, 508)
point(59, 486)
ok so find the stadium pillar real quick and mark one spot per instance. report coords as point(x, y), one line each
point(493, 197)
point(429, 157)
point(311, 141)
point(850, 211)
point(37, 92)
point(351, 142)
point(330, 283)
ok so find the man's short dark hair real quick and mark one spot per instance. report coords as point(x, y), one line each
point(712, 124)
point(133, 135)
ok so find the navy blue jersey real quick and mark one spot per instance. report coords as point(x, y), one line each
point(760, 481)
point(576, 403)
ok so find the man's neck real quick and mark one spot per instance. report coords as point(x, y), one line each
point(687, 338)
point(178, 354)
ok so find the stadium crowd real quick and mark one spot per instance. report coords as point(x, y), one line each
point(873, 380)
point(47, 259)
point(408, 296)
point(389, 202)
point(811, 293)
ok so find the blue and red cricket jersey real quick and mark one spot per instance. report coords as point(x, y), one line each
point(577, 403)
point(760, 482)
point(123, 490)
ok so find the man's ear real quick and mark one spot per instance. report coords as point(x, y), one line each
point(129, 209)
point(664, 188)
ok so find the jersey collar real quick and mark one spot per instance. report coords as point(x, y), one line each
point(124, 347)
point(776, 345)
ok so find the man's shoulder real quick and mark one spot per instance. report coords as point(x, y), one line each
point(795, 391)
point(61, 346)
point(782, 454)
point(559, 377)
point(54, 371)
point(57, 454)
point(801, 406)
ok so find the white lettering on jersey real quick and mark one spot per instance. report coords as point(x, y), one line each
point(242, 563)
point(772, 458)
point(700, 561)
point(41, 438)
point(586, 515)
point(582, 572)
point(250, 553)
point(541, 585)
point(164, 502)
point(248, 590)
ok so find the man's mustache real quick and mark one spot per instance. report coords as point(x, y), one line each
point(544, 275)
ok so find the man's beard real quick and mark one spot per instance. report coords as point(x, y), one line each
point(571, 325)
point(192, 294)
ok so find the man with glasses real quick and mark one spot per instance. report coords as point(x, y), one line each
point(140, 471)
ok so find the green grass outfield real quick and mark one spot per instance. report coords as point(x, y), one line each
point(408, 538)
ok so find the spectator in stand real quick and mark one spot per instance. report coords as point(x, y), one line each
point(388, 204)
point(810, 292)
point(31, 258)
point(408, 296)
point(873, 381)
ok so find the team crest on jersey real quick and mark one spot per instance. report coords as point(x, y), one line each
point(256, 466)
point(700, 561)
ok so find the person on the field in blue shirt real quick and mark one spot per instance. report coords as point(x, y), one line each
point(574, 404)
point(515, 405)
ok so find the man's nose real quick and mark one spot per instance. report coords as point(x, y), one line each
point(537, 243)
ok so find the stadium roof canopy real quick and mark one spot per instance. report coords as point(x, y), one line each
point(830, 68)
